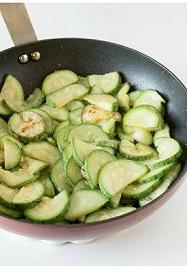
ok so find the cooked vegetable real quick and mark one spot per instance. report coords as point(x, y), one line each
point(82, 149)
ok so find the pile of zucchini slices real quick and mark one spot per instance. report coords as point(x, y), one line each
point(82, 149)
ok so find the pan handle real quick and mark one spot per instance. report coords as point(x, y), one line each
point(18, 22)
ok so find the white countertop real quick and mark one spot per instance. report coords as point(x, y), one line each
point(158, 30)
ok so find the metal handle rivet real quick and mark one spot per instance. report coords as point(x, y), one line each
point(35, 55)
point(23, 58)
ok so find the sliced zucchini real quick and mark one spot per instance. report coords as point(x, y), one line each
point(63, 96)
point(116, 175)
point(4, 109)
point(124, 136)
point(169, 151)
point(1, 157)
point(109, 143)
point(32, 165)
point(96, 90)
point(82, 184)
point(29, 195)
point(60, 114)
point(94, 114)
point(7, 195)
point(51, 141)
point(47, 119)
point(35, 99)
point(156, 173)
point(3, 127)
point(84, 81)
point(27, 126)
point(122, 96)
point(166, 182)
point(110, 150)
point(103, 101)
point(76, 116)
point(163, 133)
point(84, 202)
point(109, 127)
point(73, 171)
point(59, 178)
point(142, 136)
point(81, 150)
point(137, 191)
point(3, 138)
point(115, 201)
point(107, 213)
point(59, 127)
point(49, 210)
point(87, 132)
point(137, 151)
point(133, 96)
point(17, 178)
point(67, 152)
point(75, 104)
point(42, 151)
point(149, 97)
point(57, 80)
point(143, 117)
point(12, 154)
point(108, 82)
point(49, 190)
point(93, 164)
point(62, 137)
point(12, 93)
point(7, 212)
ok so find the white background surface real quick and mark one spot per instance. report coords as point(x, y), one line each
point(158, 30)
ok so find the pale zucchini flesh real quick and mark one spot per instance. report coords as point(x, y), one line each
point(73, 171)
point(12, 154)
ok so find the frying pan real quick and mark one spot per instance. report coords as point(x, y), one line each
point(87, 56)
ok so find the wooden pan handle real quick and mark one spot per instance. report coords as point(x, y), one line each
point(18, 23)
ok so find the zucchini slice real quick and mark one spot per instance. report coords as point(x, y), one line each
point(59, 127)
point(84, 202)
point(156, 173)
point(108, 82)
point(7, 195)
point(3, 127)
point(49, 190)
point(163, 133)
point(93, 164)
point(107, 213)
point(150, 97)
point(57, 80)
point(42, 151)
point(35, 99)
point(73, 171)
point(50, 209)
point(142, 136)
point(103, 101)
point(84, 81)
point(133, 96)
point(62, 137)
point(143, 117)
point(27, 126)
point(81, 150)
point(95, 90)
point(3, 138)
point(137, 151)
point(166, 182)
point(32, 165)
point(29, 195)
point(76, 116)
point(63, 96)
point(7, 212)
point(59, 178)
point(82, 184)
point(67, 152)
point(47, 119)
point(109, 143)
point(4, 109)
point(115, 201)
point(60, 114)
point(87, 132)
point(116, 175)
point(17, 178)
point(12, 93)
point(122, 96)
point(75, 104)
point(137, 191)
point(169, 151)
point(12, 154)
